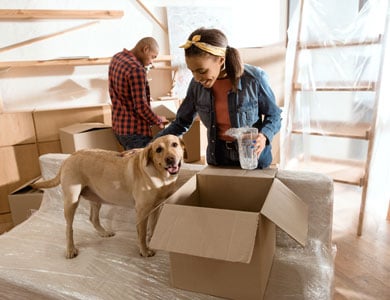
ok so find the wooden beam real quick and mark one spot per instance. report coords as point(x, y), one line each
point(44, 37)
point(388, 212)
point(73, 61)
point(152, 16)
point(28, 14)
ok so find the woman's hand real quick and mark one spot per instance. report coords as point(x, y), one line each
point(260, 143)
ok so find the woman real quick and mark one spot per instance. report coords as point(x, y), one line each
point(225, 94)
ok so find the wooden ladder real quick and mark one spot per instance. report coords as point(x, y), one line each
point(312, 94)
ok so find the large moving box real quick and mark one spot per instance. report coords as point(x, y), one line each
point(219, 229)
point(86, 136)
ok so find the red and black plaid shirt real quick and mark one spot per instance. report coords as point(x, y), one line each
point(130, 96)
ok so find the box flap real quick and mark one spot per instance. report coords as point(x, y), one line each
point(211, 233)
point(229, 171)
point(83, 127)
point(166, 108)
point(287, 211)
point(22, 187)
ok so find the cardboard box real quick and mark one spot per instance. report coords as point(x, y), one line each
point(18, 165)
point(86, 136)
point(5, 222)
point(192, 141)
point(23, 202)
point(49, 147)
point(219, 229)
point(49, 122)
point(166, 108)
point(16, 128)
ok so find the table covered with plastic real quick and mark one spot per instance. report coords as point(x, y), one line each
point(33, 263)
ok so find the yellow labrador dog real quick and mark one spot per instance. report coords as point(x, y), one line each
point(141, 178)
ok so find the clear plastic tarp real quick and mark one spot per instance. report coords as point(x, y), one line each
point(337, 103)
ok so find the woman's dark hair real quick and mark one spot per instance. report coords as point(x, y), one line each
point(233, 63)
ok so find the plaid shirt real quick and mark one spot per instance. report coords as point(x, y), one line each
point(130, 96)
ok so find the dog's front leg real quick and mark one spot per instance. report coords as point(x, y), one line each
point(142, 222)
point(152, 222)
point(69, 211)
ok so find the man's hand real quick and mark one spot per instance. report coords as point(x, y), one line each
point(164, 121)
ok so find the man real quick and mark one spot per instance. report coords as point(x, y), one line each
point(132, 116)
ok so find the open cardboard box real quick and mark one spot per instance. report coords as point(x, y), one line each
point(87, 135)
point(24, 201)
point(219, 229)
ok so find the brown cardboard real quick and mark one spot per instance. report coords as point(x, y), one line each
point(160, 81)
point(192, 138)
point(4, 205)
point(18, 164)
point(49, 147)
point(166, 108)
point(216, 244)
point(87, 135)
point(48, 122)
point(16, 128)
point(219, 241)
point(23, 202)
point(5, 222)
point(191, 141)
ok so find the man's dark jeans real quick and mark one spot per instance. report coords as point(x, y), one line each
point(133, 141)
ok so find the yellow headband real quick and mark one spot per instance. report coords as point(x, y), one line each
point(214, 50)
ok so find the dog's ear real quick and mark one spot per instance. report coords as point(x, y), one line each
point(185, 156)
point(147, 155)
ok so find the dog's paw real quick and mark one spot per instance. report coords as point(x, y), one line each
point(71, 253)
point(106, 233)
point(147, 253)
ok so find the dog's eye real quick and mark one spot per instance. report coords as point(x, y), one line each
point(175, 144)
point(159, 149)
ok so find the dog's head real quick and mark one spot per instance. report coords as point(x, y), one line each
point(166, 154)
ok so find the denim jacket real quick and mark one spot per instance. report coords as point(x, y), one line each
point(252, 105)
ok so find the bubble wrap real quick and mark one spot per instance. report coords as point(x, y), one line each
point(33, 264)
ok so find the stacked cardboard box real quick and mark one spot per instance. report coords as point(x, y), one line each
point(87, 135)
point(49, 122)
point(24, 136)
point(18, 159)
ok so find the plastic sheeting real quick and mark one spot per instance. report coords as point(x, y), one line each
point(33, 263)
point(337, 52)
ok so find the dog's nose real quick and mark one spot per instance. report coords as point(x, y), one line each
point(170, 160)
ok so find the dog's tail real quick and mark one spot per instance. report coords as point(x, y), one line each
point(47, 183)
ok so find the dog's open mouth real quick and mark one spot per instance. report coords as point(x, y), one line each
point(173, 169)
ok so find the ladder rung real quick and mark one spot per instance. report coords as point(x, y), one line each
point(337, 44)
point(336, 87)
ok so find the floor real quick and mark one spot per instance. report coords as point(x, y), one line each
point(362, 268)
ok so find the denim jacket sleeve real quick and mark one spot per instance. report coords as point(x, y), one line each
point(184, 116)
point(268, 114)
